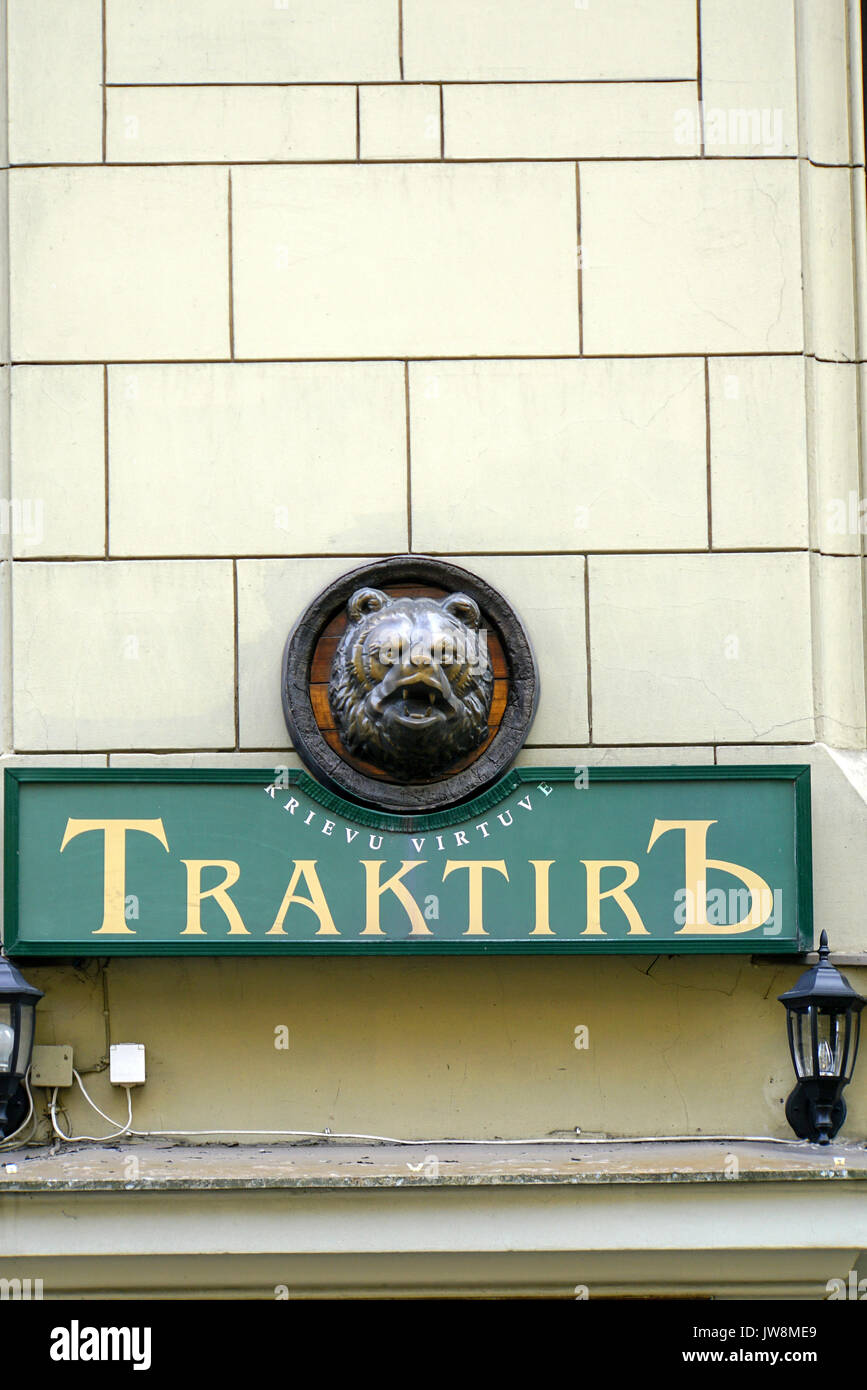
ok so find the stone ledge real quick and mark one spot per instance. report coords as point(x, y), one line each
point(174, 1167)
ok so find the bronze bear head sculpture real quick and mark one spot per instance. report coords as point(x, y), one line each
point(411, 682)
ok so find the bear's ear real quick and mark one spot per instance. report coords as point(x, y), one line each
point(365, 601)
point(464, 608)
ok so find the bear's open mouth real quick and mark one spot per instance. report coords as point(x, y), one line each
point(417, 704)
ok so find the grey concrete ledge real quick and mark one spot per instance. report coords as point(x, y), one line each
point(215, 1167)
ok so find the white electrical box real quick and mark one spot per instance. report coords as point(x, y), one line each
point(51, 1066)
point(127, 1064)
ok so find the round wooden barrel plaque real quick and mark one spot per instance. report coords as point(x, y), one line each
point(409, 684)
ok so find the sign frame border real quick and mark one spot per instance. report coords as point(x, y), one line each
point(798, 774)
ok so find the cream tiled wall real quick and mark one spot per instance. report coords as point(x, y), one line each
point(570, 291)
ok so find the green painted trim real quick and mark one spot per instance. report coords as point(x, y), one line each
point(10, 860)
point(423, 948)
point(804, 857)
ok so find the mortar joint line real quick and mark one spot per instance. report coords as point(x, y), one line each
point(408, 458)
point(707, 438)
point(105, 432)
point(442, 124)
point(579, 252)
point(587, 648)
point(231, 256)
point(400, 37)
point(699, 77)
point(236, 661)
point(104, 87)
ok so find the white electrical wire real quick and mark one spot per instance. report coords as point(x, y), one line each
point(487, 1143)
point(92, 1103)
point(379, 1138)
point(90, 1138)
point(433, 1143)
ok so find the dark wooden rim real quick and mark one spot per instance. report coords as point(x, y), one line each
point(338, 775)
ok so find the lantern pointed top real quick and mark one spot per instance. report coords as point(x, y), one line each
point(13, 982)
point(823, 984)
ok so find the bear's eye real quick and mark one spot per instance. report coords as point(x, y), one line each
point(447, 651)
point(385, 648)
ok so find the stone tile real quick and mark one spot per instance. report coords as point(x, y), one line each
point(830, 295)
point(235, 459)
point(558, 455)
point(58, 460)
point(691, 257)
point(50, 760)
point(838, 782)
point(748, 77)
point(501, 40)
point(269, 761)
point(592, 756)
point(838, 513)
point(862, 417)
point(343, 261)
point(119, 263)
point(5, 393)
point(547, 593)
point(838, 623)
point(823, 97)
point(758, 440)
point(272, 595)
point(4, 266)
point(197, 124)
point(696, 648)
point(855, 85)
point(858, 193)
point(400, 122)
point(252, 41)
point(123, 655)
point(5, 655)
point(55, 81)
point(537, 120)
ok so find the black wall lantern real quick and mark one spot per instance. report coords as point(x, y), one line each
point(824, 1016)
point(18, 1002)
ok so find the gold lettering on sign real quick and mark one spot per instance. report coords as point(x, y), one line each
point(306, 869)
point(695, 876)
point(375, 890)
point(114, 894)
point(620, 894)
point(219, 892)
point(475, 868)
point(540, 869)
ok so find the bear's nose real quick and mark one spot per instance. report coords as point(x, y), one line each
point(419, 655)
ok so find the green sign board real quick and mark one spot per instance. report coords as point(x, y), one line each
point(647, 860)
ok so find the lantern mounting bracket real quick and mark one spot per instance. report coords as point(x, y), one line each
point(801, 1111)
point(16, 1108)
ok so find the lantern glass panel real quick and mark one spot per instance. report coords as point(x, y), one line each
point(25, 1038)
point(7, 1038)
point(854, 1021)
point(830, 1042)
point(802, 1041)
